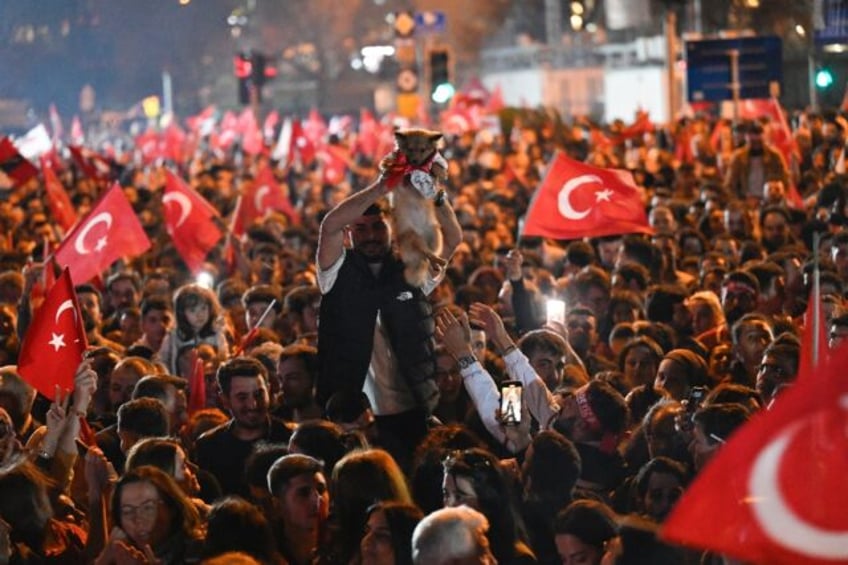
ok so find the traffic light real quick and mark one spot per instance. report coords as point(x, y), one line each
point(824, 78)
point(243, 69)
point(441, 89)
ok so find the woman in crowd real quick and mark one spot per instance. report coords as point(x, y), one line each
point(474, 477)
point(152, 519)
point(388, 534)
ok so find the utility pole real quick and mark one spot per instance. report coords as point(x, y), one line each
point(553, 22)
point(671, 57)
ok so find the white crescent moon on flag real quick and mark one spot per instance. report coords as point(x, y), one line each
point(259, 196)
point(564, 198)
point(182, 201)
point(66, 305)
point(79, 242)
point(779, 522)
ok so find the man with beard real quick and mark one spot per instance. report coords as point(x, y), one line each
point(740, 293)
point(774, 225)
point(224, 450)
point(296, 370)
point(375, 330)
point(582, 326)
point(752, 165)
point(751, 335)
point(91, 305)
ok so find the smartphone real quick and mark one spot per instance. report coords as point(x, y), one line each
point(555, 311)
point(511, 399)
point(696, 397)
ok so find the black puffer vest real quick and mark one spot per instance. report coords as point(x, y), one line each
point(346, 326)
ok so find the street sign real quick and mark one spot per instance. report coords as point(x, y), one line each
point(709, 73)
point(833, 26)
point(431, 21)
point(404, 24)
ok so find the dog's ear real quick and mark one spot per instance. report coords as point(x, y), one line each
point(436, 136)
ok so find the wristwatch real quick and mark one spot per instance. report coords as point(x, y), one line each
point(441, 198)
point(466, 361)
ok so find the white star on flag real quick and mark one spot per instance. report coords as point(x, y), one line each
point(603, 195)
point(58, 341)
point(101, 243)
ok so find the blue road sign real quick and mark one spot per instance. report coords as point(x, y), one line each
point(431, 21)
point(834, 14)
point(708, 68)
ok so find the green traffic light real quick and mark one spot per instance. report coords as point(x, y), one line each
point(824, 78)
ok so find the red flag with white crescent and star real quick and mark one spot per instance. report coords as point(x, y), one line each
point(110, 231)
point(577, 200)
point(775, 491)
point(57, 198)
point(260, 197)
point(188, 219)
point(55, 341)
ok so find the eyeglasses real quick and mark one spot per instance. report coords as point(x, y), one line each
point(145, 511)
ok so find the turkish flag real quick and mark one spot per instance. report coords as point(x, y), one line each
point(55, 341)
point(577, 200)
point(57, 199)
point(110, 230)
point(56, 124)
point(196, 385)
point(188, 218)
point(261, 197)
point(315, 128)
point(368, 140)
point(335, 159)
point(775, 492)
point(251, 135)
point(92, 165)
point(14, 164)
point(270, 124)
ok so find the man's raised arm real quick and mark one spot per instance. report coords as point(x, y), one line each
point(331, 236)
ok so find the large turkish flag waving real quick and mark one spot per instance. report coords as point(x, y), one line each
point(577, 200)
point(775, 493)
point(55, 341)
point(188, 218)
point(110, 231)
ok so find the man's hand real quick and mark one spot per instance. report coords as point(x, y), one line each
point(85, 385)
point(454, 333)
point(485, 317)
point(512, 263)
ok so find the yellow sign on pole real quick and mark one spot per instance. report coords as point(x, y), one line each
point(150, 105)
point(407, 105)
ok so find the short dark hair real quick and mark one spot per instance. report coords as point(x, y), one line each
point(659, 305)
point(262, 293)
point(663, 465)
point(555, 466)
point(719, 421)
point(306, 353)
point(260, 461)
point(590, 521)
point(152, 303)
point(144, 417)
point(239, 367)
point(289, 466)
point(89, 289)
point(131, 276)
point(156, 386)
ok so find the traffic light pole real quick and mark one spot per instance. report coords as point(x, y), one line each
point(811, 80)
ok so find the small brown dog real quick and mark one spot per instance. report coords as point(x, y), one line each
point(413, 171)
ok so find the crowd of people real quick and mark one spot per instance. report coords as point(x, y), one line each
point(349, 417)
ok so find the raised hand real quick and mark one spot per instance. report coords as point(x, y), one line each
point(454, 333)
point(512, 263)
point(85, 385)
point(486, 317)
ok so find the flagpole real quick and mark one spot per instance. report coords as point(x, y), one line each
point(816, 298)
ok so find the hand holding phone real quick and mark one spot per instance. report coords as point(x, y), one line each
point(511, 402)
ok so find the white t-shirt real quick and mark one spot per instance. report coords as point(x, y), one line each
point(383, 386)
